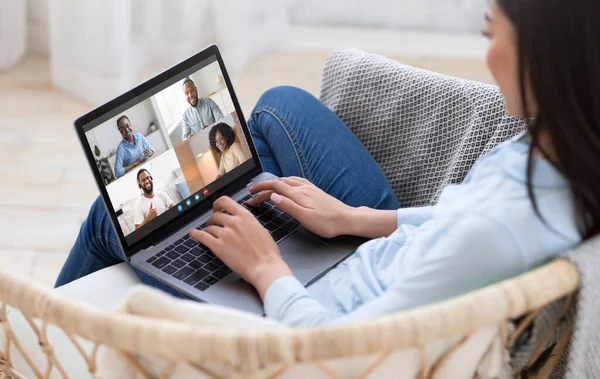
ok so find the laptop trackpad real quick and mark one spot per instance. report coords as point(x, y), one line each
point(308, 257)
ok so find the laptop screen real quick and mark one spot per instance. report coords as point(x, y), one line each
point(166, 150)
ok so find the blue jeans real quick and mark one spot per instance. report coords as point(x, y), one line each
point(295, 135)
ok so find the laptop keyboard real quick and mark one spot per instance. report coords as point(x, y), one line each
point(195, 265)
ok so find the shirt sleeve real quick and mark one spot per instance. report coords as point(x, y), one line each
point(239, 153)
point(216, 111)
point(185, 126)
point(119, 169)
point(414, 216)
point(448, 259)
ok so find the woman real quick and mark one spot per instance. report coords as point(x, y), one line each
point(527, 200)
point(222, 141)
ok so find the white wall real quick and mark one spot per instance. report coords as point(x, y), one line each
point(126, 188)
point(425, 15)
point(13, 32)
point(37, 26)
point(206, 80)
point(436, 15)
point(224, 101)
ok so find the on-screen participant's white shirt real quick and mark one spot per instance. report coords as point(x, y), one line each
point(161, 202)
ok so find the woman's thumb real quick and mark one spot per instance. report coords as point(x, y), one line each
point(276, 198)
point(285, 204)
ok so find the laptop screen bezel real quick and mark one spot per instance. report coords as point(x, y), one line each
point(82, 124)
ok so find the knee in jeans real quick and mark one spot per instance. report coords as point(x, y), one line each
point(98, 204)
point(277, 96)
point(97, 211)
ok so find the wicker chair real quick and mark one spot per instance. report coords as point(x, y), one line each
point(432, 341)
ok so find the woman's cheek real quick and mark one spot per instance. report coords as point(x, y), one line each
point(491, 59)
point(502, 69)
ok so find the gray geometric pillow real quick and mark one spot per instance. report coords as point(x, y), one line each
point(425, 130)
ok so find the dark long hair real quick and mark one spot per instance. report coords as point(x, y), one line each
point(559, 56)
point(226, 131)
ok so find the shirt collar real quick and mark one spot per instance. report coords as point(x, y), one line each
point(134, 139)
point(544, 174)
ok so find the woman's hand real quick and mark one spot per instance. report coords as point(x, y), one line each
point(318, 212)
point(243, 244)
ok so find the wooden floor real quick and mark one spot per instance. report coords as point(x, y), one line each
point(47, 187)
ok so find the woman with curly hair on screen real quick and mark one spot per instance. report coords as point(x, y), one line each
point(222, 141)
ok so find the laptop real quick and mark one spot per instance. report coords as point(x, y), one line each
point(158, 156)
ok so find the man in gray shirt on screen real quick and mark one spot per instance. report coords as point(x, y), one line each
point(201, 112)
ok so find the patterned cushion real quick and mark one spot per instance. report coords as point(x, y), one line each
point(425, 130)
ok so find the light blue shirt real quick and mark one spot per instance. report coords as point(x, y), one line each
point(480, 232)
point(127, 153)
point(206, 112)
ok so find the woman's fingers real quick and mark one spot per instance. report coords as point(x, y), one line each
point(227, 204)
point(292, 181)
point(276, 185)
point(214, 231)
point(265, 194)
point(260, 198)
point(299, 179)
point(218, 219)
point(289, 206)
point(283, 186)
point(204, 238)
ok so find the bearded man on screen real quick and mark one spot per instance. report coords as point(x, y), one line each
point(151, 204)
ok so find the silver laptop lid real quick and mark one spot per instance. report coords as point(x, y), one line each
point(162, 152)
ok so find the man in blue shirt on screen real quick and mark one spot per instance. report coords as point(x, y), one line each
point(133, 150)
point(201, 113)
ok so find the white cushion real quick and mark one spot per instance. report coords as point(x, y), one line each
point(148, 302)
point(105, 288)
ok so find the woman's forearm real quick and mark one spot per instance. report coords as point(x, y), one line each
point(372, 223)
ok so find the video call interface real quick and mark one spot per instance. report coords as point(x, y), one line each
point(164, 152)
